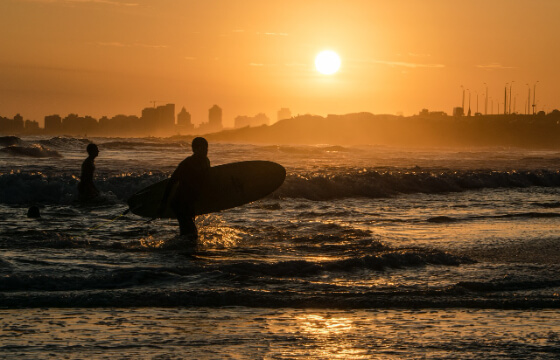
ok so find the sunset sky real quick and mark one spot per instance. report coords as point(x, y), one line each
point(109, 57)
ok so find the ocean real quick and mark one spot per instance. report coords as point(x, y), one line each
point(364, 252)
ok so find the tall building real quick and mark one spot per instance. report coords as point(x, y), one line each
point(158, 120)
point(215, 118)
point(166, 116)
point(184, 122)
point(53, 124)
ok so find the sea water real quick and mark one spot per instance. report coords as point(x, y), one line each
point(363, 252)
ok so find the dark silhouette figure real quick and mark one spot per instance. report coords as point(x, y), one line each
point(33, 212)
point(191, 176)
point(86, 188)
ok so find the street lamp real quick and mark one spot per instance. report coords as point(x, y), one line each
point(463, 103)
point(534, 96)
point(510, 85)
point(469, 102)
point(505, 98)
point(486, 102)
point(528, 99)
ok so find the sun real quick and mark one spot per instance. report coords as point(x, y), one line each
point(327, 62)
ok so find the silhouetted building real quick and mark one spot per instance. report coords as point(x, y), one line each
point(166, 116)
point(31, 126)
point(215, 117)
point(53, 124)
point(18, 123)
point(12, 126)
point(257, 120)
point(160, 120)
point(76, 125)
point(427, 113)
point(214, 123)
point(184, 122)
point(283, 113)
point(458, 111)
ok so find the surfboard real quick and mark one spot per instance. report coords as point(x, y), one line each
point(229, 186)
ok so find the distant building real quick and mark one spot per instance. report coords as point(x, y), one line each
point(166, 116)
point(215, 117)
point(76, 125)
point(31, 126)
point(184, 123)
point(257, 120)
point(427, 113)
point(184, 119)
point(458, 111)
point(283, 113)
point(159, 119)
point(12, 126)
point(214, 123)
point(18, 123)
point(53, 124)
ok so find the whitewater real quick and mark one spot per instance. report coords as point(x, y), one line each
point(363, 252)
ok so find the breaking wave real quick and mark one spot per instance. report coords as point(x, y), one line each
point(33, 150)
point(24, 188)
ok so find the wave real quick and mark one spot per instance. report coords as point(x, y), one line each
point(66, 143)
point(306, 150)
point(9, 140)
point(522, 215)
point(33, 150)
point(22, 188)
point(37, 188)
point(436, 299)
point(127, 145)
point(142, 276)
point(385, 183)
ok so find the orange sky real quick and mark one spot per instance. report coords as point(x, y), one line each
point(109, 57)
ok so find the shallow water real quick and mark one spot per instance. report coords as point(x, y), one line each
point(256, 333)
point(430, 236)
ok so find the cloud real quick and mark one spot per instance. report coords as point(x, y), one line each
point(140, 45)
point(272, 34)
point(408, 64)
point(419, 55)
point(494, 66)
point(256, 64)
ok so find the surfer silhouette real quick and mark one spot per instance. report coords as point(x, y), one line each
point(191, 175)
point(86, 188)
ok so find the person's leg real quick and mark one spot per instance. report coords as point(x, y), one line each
point(186, 222)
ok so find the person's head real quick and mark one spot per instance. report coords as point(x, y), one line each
point(200, 146)
point(33, 212)
point(92, 150)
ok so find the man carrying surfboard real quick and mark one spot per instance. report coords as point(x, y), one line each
point(189, 177)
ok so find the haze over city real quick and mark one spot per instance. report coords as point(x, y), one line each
point(103, 58)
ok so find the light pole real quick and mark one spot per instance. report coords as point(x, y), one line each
point(510, 85)
point(505, 99)
point(534, 96)
point(486, 102)
point(528, 99)
point(476, 102)
point(463, 103)
point(469, 102)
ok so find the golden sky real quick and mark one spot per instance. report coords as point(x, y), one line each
point(109, 57)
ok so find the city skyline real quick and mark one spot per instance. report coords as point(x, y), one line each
point(396, 57)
